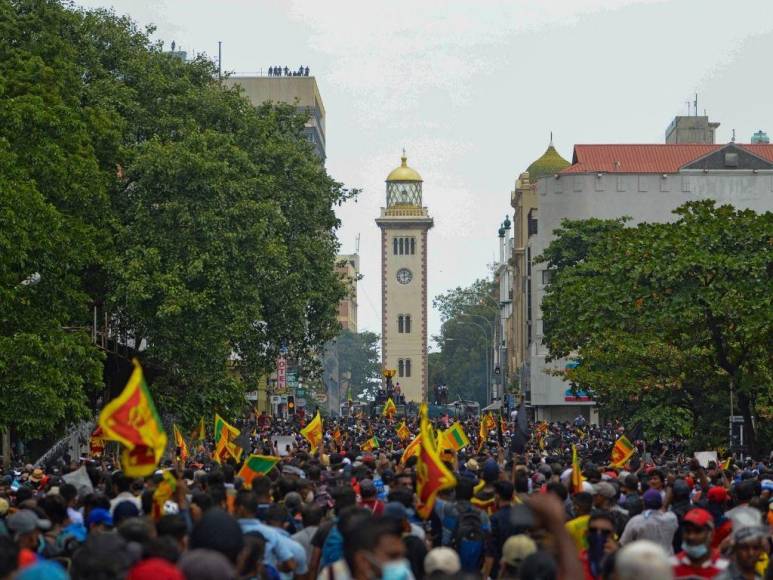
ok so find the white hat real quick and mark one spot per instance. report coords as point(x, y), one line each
point(443, 560)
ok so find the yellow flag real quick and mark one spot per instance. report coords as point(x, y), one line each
point(432, 476)
point(313, 432)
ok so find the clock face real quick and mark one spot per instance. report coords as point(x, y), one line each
point(404, 275)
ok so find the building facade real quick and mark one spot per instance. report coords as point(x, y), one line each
point(348, 268)
point(404, 224)
point(299, 91)
point(645, 182)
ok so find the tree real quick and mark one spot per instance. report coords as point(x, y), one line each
point(359, 361)
point(203, 228)
point(670, 320)
point(468, 316)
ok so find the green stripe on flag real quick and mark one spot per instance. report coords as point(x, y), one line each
point(261, 463)
point(457, 437)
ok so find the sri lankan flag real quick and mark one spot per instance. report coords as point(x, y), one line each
point(389, 408)
point(455, 437)
point(313, 432)
point(412, 449)
point(163, 492)
point(403, 432)
point(225, 434)
point(256, 465)
point(432, 476)
point(576, 472)
point(180, 443)
point(370, 444)
point(200, 432)
point(622, 451)
point(132, 420)
point(487, 423)
point(337, 436)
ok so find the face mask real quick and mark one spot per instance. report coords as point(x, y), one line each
point(396, 570)
point(695, 552)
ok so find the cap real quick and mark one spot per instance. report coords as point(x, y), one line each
point(37, 474)
point(26, 521)
point(42, 570)
point(155, 569)
point(395, 509)
point(99, 516)
point(604, 489)
point(767, 485)
point(699, 517)
point(442, 559)
point(517, 548)
point(748, 534)
point(652, 499)
point(717, 494)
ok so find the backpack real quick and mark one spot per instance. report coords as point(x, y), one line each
point(468, 538)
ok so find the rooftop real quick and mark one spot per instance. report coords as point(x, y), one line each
point(649, 158)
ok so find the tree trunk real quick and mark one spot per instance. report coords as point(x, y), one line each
point(748, 427)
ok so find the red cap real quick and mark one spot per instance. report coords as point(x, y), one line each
point(717, 494)
point(699, 517)
point(156, 569)
point(689, 481)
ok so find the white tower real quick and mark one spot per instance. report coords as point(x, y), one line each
point(404, 224)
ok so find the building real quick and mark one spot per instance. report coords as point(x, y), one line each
point(503, 332)
point(646, 182)
point(691, 129)
point(404, 224)
point(525, 205)
point(300, 91)
point(348, 267)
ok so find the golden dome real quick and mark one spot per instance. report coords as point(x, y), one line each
point(404, 173)
point(550, 163)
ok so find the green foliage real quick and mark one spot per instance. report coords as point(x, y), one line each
point(204, 227)
point(668, 318)
point(465, 341)
point(359, 359)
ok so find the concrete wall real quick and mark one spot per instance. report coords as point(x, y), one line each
point(643, 197)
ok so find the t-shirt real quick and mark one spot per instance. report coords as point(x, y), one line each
point(653, 525)
point(578, 528)
point(685, 569)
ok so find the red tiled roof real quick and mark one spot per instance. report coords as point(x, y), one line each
point(640, 158)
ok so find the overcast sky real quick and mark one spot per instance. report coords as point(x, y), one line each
point(472, 90)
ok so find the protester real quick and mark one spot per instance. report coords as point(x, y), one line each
point(338, 512)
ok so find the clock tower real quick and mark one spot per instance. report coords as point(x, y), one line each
point(404, 224)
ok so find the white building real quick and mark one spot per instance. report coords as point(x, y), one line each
point(645, 182)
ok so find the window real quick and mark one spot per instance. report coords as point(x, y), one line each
point(401, 368)
point(407, 324)
point(413, 246)
point(402, 241)
point(546, 277)
point(400, 324)
point(394, 246)
point(407, 367)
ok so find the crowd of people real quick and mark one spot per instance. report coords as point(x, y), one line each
point(342, 512)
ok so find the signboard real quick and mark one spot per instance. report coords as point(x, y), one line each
point(281, 374)
point(704, 457)
point(300, 402)
point(292, 379)
point(251, 395)
point(282, 442)
point(276, 399)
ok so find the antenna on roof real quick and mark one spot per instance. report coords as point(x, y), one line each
point(357, 244)
point(696, 103)
point(732, 139)
point(688, 108)
point(551, 138)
